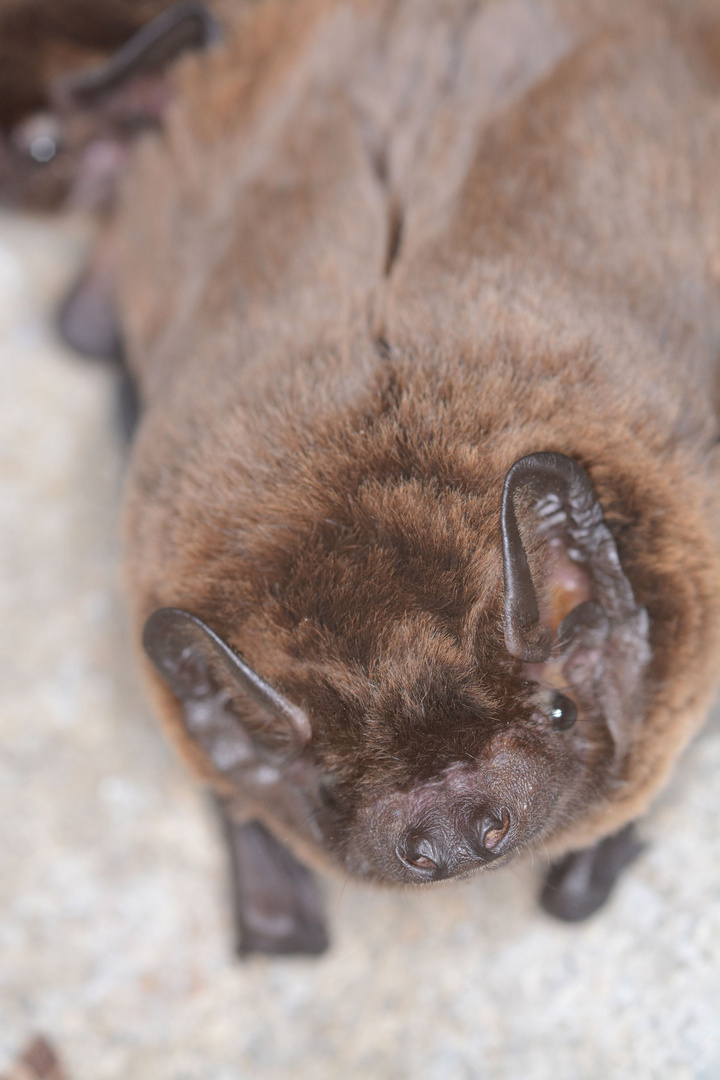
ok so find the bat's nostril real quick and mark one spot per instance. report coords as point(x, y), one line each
point(423, 862)
point(492, 831)
point(419, 854)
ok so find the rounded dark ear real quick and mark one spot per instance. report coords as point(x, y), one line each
point(566, 509)
point(229, 710)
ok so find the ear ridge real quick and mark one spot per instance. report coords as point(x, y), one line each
point(182, 647)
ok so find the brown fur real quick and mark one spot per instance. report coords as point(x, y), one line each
point(382, 251)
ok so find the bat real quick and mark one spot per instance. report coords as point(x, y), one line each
point(66, 128)
point(423, 306)
point(73, 152)
point(41, 40)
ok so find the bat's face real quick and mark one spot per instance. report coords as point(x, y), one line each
point(477, 810)
point(434, 717)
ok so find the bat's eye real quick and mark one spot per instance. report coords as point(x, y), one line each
point(563, 712)
point(43, 148)
point(39, 137)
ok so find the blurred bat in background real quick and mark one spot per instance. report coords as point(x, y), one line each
point(73, 151)
point(423, 305)
point(42, 40)
point(67, 124)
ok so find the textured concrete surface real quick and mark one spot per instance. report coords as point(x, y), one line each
point(115, 936)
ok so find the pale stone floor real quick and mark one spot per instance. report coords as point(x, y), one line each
point(114, 927)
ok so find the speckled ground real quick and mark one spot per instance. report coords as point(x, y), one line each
point(114, 933)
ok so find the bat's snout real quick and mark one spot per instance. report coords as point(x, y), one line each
point(433, 854)
point(460, 821)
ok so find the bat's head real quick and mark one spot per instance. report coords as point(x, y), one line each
point(415, 719)
point(74, 152)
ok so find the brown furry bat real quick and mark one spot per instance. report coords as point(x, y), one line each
point(423, 301)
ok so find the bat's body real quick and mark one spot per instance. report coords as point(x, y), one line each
point(382, 252)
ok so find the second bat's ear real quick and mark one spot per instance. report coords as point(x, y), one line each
point(187, 24)
point(567, 513)
point(229, 711)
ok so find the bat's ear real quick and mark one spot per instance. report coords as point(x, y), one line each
point(585, 628)
point(568, 515)
point(230, 712)
point(185, 25)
